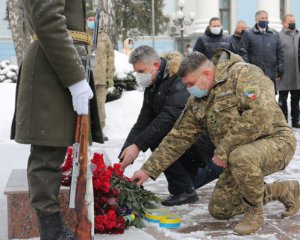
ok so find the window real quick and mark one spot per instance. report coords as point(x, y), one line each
point(225, 14)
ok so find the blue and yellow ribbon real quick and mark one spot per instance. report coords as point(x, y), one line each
point(163, 217)
point(172, 221)
point(129, 218)
point(155, 215)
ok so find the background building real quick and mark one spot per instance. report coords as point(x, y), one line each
point(230, 11)
point(7, 51)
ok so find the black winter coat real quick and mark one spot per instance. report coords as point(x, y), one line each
point(163, 103)
point(236, 42)
point(263, 50)
point(209, 42)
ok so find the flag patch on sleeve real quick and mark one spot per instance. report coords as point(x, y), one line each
point(250, 94)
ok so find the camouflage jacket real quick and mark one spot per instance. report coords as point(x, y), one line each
point(104, 66)
point(239, 109)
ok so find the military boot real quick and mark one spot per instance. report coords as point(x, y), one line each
point(52, 228)
point(252, 221)
point(286, 192)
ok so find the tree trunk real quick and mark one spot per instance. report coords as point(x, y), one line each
point(107, 19)
point(19, 30)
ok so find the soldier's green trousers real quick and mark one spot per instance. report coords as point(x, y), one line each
point(44, 178)
point(101, 92)
point(244, 178)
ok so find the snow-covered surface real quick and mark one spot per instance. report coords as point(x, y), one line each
point(122, 65)
point(121, 114)
point(8, 72)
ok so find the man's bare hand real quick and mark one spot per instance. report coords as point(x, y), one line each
point(218, 162)
point(129, 155)
point(140, 177)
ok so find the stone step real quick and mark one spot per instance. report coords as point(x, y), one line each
point(22, 220)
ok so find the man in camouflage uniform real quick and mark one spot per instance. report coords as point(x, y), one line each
point(234, 102)
point(103, 72)
point(164, 99)
point(104, 67)
point(51, 91)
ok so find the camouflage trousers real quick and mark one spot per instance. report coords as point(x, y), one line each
point(244, 178)
point(101, 92)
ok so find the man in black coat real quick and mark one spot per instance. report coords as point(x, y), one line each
point(164, 99)
point(261, 46)
point(236, 38)
point(213, 39)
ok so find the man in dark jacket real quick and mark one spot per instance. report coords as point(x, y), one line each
point(51, 89)
point(213, 39)
point(236, 38)
point(261, 46)
point(164, 99)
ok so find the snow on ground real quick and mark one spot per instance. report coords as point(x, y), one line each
point(126, 111)
point(121, 114)
point(122, 65)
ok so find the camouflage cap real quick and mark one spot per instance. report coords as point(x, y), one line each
point(90, 13)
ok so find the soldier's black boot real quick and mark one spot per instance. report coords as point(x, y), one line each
point(182, 198)
point(52, 228)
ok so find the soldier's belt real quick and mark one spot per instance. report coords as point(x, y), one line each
point(75, 35)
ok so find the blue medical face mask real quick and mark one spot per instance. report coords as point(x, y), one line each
point(263, 24)
point(91, 24)
point(197, 92)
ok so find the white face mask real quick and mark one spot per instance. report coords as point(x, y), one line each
point(216, 30)
point(144, 79)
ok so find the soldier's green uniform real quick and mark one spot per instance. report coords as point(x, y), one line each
point(103, 72)
point(247, 127)
point(44, 112)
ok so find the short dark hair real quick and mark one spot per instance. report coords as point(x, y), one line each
point(191, 63)
point(213, 19)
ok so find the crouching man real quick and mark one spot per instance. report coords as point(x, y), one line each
point(234, 102)
point(164, 99)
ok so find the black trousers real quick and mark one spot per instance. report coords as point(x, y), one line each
point(44, 178)
point(194, 168)
point(295, 97)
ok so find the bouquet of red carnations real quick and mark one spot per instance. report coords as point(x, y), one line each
point(115, 196)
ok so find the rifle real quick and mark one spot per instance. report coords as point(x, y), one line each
point(80, 168)
point(81, 190)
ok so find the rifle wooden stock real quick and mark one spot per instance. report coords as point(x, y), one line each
point(83, 228)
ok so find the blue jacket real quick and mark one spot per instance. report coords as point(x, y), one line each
point(263, 50)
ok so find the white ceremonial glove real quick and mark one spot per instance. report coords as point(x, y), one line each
point(81, 94)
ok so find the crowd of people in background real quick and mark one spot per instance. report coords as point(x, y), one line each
point(277, 54)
